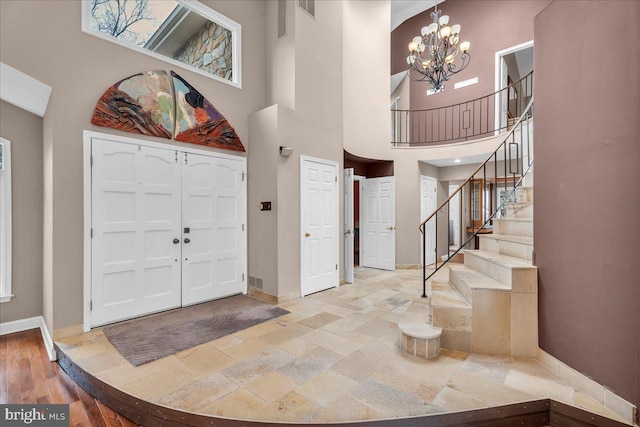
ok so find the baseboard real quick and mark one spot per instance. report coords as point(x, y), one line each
point(31, 323)
point(408, 266)
point(596, 391)
point(262, 296)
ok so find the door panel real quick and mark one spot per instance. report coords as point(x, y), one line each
point(135, 217)
point(319, 225)
point(212, 228)
point(378, 228)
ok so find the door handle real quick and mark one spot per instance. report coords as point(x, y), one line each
point(348, 232)
point(176, 241)
point(307, 234)
point(391, 228)
point(187, 240)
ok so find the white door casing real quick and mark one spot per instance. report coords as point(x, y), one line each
point(501, 80)
point(348, 225)
point(135, 219)
point(319, 197)
point(428, 204)
point(379, 223)
point(212, 233)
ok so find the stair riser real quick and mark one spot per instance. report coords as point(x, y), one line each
point(453, 318)
point(520, 279)
point(460, 285)
point(516, 210)
point(524, 194)
point(420, 347)
point(513, 228)
point(456, 340)
point(491, 332)
point(503, 247)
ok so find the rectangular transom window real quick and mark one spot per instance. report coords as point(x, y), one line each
point(5, 220)
point(308, 6)
point(185, 33)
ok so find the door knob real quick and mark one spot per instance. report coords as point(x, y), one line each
point(176, 241)
point(307, 234)
point(187, 240)
point(348, 232)
point(391, 228)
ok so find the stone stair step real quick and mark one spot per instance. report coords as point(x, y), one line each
point(465, 280)
point(522, 227)
point(519, 210)
point(420, 339)
point(506, 244)
point(517, 274)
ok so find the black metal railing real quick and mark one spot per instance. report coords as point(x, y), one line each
point(459, 122)
point(487, 191)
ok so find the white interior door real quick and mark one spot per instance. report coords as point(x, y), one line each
point(136, 228)
point(504, 97)
point(454, 216)
point(319, 224)
point(212, 228)
point(348, 225)
point(378, 226)
point(428, 204)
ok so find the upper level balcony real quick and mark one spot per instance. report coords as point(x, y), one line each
point(474, 119)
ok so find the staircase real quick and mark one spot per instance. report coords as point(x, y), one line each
point(490, 303)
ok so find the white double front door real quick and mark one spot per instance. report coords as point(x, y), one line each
point(167, 229)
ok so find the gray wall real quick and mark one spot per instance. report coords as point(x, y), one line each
point(80, 67)
point(587, 189)
point(24, 130)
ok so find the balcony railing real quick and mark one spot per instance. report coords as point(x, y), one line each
point(466, 120)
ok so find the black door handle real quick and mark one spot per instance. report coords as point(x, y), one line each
point(176, 241)
point(187, 240)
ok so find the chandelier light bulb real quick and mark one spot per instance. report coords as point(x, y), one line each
point(444, 20)
point(455, 29)
point(425, 30)
point(445, 32)
point(413, 46)
point(464, 47)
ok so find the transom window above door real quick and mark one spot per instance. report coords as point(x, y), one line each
point(181, 32)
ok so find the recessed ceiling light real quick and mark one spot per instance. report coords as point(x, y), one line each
point(457, 161)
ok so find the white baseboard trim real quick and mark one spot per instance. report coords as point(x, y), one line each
point(600, 393)
point(31, 323)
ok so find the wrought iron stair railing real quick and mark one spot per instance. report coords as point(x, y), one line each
point(499, 175)
point(460, 122)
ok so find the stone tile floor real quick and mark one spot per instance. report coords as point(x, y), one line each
point(334, 358)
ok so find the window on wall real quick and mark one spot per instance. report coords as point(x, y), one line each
point(308, 6)
point(185, 33)
point(5, 220)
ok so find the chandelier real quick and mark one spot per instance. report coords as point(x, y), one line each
point(433, 54)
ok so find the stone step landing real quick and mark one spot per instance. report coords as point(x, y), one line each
point(420, 339)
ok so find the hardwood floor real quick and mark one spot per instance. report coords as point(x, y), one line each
point(27, 376)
